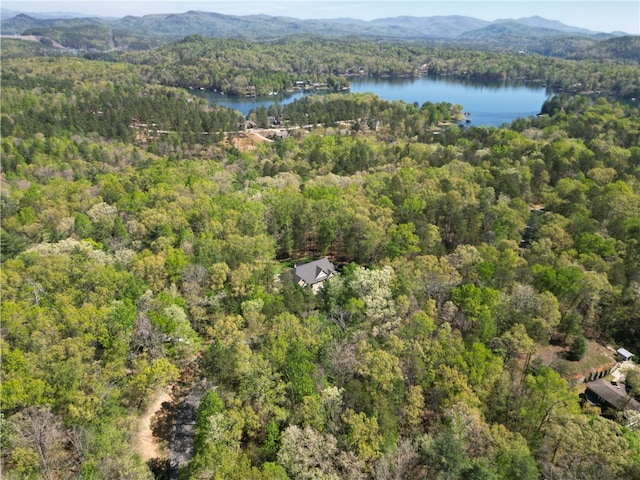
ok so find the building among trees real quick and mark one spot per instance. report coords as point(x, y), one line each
point(314, 273)
point(609, 396)
point(624, 354)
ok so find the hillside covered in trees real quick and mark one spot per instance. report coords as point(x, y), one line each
point(144, 251)
point(533, 34)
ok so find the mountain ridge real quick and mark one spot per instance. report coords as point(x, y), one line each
point(529, 34)
point(437, 22)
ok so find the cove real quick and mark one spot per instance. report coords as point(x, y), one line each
point(489, 104)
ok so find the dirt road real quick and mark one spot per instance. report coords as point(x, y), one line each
point(145, 443)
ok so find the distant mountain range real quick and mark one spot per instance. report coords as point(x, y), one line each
point(533, 34)
point(6, 14)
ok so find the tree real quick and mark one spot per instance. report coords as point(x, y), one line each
point(374, 288)
point(82, 226)
point(10, 245)
point(477, 305)
point(578, 347)
point(218, 431)
point(211, 404)
point(512, 456)
point(632, 381)
point(299, 369)
point(538, 312)
point(272, 441)
point(262, 388)
point(515, 343)
point(381, 369)
point(38, 443)
point(403, 462)
point(445, 455)
point(413, 410)
point(573, 444)
point(152, 269)
point(484, 370)
point(402, 241)
point(262, 117)
point(545, 397)
point(308, 454)
point(149, 375)
point(363, 436)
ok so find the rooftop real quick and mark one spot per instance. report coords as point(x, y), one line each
point(624, 353)
point(314, 272)
point(614, 396)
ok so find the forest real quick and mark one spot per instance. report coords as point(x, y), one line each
point(145, 253)
point(231, 65)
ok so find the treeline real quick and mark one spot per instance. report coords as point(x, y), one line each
point(361, 112)
point(83, 36)
point(232, 66)
point(580, 48)
point(93, 38)
point(35, 100)
point(251, 67)
point(126, 268)
point(18, 48)
point(403, 120)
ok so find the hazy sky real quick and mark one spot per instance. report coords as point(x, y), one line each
point(602, 15)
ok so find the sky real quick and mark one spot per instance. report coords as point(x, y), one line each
point(601, 15)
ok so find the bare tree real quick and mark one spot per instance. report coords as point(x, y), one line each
point(144, 336)
point(39, 430)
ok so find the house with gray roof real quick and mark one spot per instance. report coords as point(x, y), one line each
point(314, 273)
point(608, 396)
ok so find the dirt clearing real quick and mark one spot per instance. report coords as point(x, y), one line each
point(145, 443)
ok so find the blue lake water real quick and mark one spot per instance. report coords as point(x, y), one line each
point(488, 103)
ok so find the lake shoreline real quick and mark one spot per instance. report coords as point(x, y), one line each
point(489, 103)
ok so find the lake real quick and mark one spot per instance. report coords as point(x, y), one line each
point(490, 104)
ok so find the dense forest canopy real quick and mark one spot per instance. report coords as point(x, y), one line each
point(145, 237)
point(233, 65)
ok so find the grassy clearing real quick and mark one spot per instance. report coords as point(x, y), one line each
point(597, 358)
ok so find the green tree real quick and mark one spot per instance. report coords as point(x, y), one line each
point(402, 241)
point(572, 446)
point(513, 458)
point(478, 305)
point(272, 441)
point(446, 456)
point(363, 435)
point(545, 398)
point(578, 347)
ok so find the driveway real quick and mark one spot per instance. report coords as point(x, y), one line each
point(620, 373)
